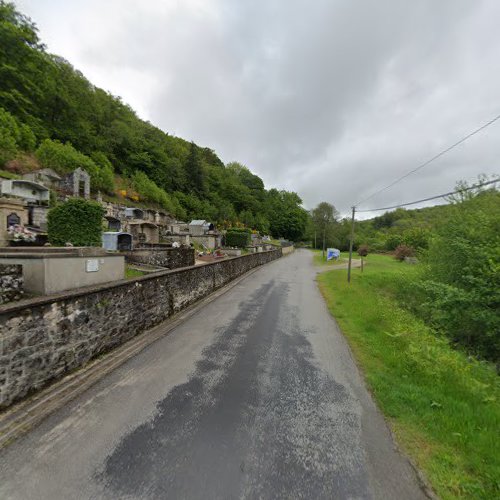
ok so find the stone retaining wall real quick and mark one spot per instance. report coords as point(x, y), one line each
point(11, 283)
point(172, 258)
point(43, 338)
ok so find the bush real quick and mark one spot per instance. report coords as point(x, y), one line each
point(417, 238)
point(64, 158)
point(393, 241)
point(26, 139)
point(148, 190)
point(363, 250)
point(236, 237)
point(403, 251)
point(9, 131)
point(104, 179)
point(77, 221)
point(22, 164)
point(461, 285)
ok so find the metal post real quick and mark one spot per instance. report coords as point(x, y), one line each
point(350, 246)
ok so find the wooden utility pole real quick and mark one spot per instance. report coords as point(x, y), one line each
point(324, 231)
point(315, 239)
point(351, 241)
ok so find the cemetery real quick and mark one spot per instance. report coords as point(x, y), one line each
point(64, 298)
point(69, 255)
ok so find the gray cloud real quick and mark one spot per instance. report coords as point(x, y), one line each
point(332, 99)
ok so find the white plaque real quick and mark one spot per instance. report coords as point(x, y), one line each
point(92, 265)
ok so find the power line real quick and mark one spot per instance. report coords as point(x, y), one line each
point(351, 239)
point(433, 197)
point(442, 153)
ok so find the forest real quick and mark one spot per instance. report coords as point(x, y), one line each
point(52, 116)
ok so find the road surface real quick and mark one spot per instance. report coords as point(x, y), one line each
point(255, 396)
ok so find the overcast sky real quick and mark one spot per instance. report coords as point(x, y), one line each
point(330, 98)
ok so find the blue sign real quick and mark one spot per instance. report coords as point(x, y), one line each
point(332, 254)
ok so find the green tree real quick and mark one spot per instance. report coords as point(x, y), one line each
point(194, 171)
point(460, 292)
point(148, 190)
point(287, 218)
point(105, 178)
point(9, 131)
point(324, 218)
point(76, 124)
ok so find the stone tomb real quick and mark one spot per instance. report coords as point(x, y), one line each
point(12, 212)
point(116, 241)
point(77, 183)
point(48, 270)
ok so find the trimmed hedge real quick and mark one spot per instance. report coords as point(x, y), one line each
point(77, 221)
point(236, 237)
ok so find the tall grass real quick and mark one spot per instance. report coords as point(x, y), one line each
point(442, 404)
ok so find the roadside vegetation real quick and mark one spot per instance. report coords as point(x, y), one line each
point(456, 290)
point(423, 321)
point(442, 403)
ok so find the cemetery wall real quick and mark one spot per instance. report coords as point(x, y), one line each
point(11, 283)
point(172, 258)
point(43, 338)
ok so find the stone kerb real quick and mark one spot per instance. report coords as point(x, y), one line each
point(45, 337)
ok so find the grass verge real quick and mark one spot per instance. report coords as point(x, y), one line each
point(320, 261)
point(442, 405)
point(130, 272)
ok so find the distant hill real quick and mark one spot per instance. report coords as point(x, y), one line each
point(414, 227)
point(52, 116)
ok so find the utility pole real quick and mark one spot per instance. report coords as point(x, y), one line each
point(350, 245)
point(315, 239)
point(324, 231)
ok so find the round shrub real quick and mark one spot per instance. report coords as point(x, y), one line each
point(403, 251)
point(77, 221)
point(363, 250)
point(393, 241)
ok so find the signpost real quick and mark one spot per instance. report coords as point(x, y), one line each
point(332, 254)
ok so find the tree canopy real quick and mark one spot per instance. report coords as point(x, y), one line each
point(48, 106)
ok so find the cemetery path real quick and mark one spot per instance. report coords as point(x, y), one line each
point(255, 396)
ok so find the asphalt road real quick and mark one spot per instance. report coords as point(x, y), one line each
point(255, 396)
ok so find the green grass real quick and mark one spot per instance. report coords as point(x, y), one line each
point(5, 174)
point(133, 273)
point(442, 405)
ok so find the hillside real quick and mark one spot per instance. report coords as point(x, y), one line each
point(52, 116)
